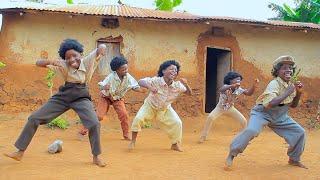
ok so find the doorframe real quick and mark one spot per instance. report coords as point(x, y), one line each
point(205, 71)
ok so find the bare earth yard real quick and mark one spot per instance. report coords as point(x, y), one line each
point(265, 158)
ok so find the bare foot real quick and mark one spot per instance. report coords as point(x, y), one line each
point(228, 163)
point(131, 145)
point(15, 155)
point(296, 163)
point(176, 147)
point(202, 139)
point(97, 161)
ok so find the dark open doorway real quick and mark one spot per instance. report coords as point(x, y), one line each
point(218, 63)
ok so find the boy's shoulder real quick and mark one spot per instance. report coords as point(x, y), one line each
point(274, 83)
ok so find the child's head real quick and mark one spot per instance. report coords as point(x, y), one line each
point(120, 65)
point(283, 67)
point(232, 78)
point(169, 69)
point(71, 51)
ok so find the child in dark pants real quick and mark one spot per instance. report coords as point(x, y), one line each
point(113, 89)
point(76, 71)
point(271, 109)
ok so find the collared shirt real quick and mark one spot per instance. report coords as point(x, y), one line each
point(117, 87)
point(228, 98)
point(275, 88)
point(166, 93)
point(81, 75)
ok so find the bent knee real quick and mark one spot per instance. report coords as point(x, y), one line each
point(33, 120)
point(178, 123)
point(252, 132)
point(302, 132)
point(95, 124)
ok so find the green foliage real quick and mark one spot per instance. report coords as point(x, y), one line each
point(2, 65)
point(305, 11)
point(49, 78)
point(70, 1)
point(295, 78)
point(146, 124)
point(167, 5)
point(59, 122)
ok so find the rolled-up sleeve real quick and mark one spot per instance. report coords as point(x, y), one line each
point(60, 71)
point(105, 81)
point(148, 80)
point(133, 83)
point(182, 88)
point(90, 58)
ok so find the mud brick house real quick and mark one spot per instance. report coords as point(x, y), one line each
point(206, 47)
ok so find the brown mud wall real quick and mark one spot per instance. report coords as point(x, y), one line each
point(310, 98)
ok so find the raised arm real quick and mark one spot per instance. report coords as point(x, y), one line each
point(101, 51)
point(45, 63)
point(227, 87)
point(298, 85)
point(144, 83)
point(185, 83)
point(251, 90)
point(140, 90)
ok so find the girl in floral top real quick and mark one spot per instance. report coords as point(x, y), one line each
point(229, 94)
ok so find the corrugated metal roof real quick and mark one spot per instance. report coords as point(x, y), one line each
point(111, 10)
point(134, 12)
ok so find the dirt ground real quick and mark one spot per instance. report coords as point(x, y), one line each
point(265, 157)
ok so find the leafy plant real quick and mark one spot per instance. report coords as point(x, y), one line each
point(295, 78)
point(2, 65)
point(70, 1)
point(305, 11)
point(49, 78)
point(59, 122)
point(146, 124)
point(167, 5)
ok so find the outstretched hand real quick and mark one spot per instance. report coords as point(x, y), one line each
point(102, 49)
point(184, 81)
point(56, 63)
point(153, 89)
point(106, 87)
point(236, 85)
point(298, 85)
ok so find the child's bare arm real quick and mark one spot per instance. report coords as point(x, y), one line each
point(45, 63)
point(298, 85)
point(101, 51)
point(185, 83)
point(140, 90)
point(227, 87)
point(277, 100)
point(251, 90)
point(145, 84)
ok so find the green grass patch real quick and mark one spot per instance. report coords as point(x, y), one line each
point(2, 65)
point(59, 122)
point(146, 124)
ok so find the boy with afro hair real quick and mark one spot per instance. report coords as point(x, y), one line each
point(76, 72)
point(164, 89)
point(113, 89)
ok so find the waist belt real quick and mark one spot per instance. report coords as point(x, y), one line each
point(74, 84)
